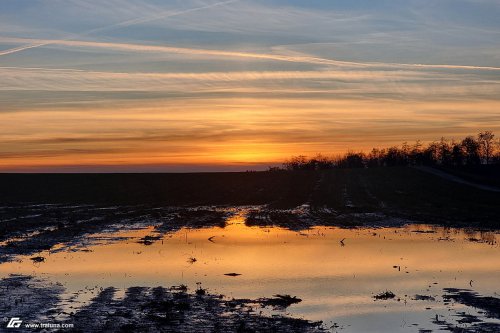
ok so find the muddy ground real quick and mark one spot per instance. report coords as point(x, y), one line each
point(34, 228)
point(40, 213)
point(487, 306)
point(392, 192)
point(144, 309)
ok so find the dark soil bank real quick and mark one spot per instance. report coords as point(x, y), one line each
point(400, 192)
point(279, 189)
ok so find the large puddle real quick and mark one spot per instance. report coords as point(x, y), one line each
point(336, 272)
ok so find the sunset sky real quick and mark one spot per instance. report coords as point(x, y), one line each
point(195, 85)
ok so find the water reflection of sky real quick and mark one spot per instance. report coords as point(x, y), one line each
point(336, 282)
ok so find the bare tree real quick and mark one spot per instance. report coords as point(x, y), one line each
point(444, 152)
point(471, 149)
point(485, 140)
point(457, 153)
point(417, 153)
point(497, 155)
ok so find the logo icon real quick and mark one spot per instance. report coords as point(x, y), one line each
point(14, 322)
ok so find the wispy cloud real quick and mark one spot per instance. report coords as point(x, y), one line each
point(233, 54)
point(349, 83)
point(124, 24)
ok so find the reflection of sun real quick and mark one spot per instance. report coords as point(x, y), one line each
point(237, 219)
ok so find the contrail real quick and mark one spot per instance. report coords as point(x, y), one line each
point(183, 50)
point(21, 48)
point(241, 54)
point(159, 16)
point(127, 23)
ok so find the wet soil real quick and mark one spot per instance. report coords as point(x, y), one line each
point(28, 298)
point(489, 307)
point(147, 310)
point(30, 230)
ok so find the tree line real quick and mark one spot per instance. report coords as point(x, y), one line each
point(481, 149)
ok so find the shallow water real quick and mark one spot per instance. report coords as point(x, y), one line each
point(335, 271)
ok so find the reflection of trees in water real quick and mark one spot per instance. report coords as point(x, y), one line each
point(449, 233)
point(481, 236)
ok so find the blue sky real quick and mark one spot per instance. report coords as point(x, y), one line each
point(157, 78)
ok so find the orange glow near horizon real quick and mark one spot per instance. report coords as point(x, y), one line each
point(226, 132)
